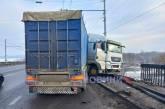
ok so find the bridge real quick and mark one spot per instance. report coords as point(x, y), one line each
point(121, 92)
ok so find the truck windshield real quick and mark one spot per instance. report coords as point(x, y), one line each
point(114, 48)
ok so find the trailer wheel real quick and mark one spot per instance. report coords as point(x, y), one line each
point(93, 70)
point(80, 90)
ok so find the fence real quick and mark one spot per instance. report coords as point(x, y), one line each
point(153, 73)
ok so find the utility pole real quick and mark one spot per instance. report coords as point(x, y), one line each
point(104, 16)
point(5, 51)
point(105, 20)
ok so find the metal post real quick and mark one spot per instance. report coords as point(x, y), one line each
point(164, 76)
point(147, 73)
point(5, 51)
point(161, 75)
point(150, 79)
point(158, 76)
point(152, 71)
point(105, 26)
point(157, 70)
point(155, 75)
point(142, 73)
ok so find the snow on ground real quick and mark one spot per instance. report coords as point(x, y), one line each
point(133, 72)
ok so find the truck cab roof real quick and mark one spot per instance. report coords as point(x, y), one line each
point(115, 43)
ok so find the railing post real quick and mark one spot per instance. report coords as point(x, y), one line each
point(141, 75)
point(144, 73)
point(152, 72)
point(154, 76)
point(161, 75)
point(149, 69)
point(164, 75)
point(159, 71)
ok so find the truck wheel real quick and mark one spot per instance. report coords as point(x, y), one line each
point(0, 83)
point(1, 80)
point(93, 70)
point(82, 89)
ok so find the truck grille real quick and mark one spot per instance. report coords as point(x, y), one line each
point(115, 66)
point(115, 59)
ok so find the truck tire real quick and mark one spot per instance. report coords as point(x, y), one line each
point(93, 70)
point(1, 80)
point(80, 90)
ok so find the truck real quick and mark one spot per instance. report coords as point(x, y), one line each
point(56, 52)
point(104, 55)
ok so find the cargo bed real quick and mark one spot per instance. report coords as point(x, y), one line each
point(56, 47)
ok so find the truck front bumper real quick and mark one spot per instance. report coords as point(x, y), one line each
point(113, 66)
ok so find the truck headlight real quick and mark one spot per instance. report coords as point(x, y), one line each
point(108, 65)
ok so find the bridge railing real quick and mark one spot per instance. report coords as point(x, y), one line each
point(153, 73)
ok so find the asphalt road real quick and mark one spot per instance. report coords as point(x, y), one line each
point(14, 95)
point(9, 69)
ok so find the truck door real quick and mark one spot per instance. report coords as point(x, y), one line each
point(100, 57)
point(66, 44)
point(59, 44)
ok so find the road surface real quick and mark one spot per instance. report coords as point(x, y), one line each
point(14, 95)
point(8, 69)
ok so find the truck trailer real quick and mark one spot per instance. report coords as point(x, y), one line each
point(104, 55)
point(56, 52)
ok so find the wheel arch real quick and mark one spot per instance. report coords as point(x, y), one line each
point(94, 64)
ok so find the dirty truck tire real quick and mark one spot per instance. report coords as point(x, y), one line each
point(93, 70)
point(1, 80)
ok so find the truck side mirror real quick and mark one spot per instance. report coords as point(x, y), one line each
point(103, 46)
point(94, 46)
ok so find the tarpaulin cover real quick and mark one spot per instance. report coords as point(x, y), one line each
point(52, 16)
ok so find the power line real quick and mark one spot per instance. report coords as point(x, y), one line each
point(138, 16)
point(14, 46)
point(67, 1)
point(119, 5)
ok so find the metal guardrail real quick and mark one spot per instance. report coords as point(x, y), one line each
point(124, 97)
point(148, 91)
point(153, 73)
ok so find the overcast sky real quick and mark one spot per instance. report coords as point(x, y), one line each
point(138, 24)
